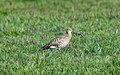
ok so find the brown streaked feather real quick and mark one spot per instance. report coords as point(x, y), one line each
point(55, 41)
point(59, 42)
point(47, 46)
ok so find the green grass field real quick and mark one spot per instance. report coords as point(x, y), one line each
point(25, 26)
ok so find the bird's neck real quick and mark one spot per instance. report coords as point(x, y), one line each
point(69, 33)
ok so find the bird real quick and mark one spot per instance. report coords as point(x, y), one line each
point(60, 41)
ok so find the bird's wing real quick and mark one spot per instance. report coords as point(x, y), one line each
point(55, 42)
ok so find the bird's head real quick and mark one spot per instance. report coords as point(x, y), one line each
point(69, 30)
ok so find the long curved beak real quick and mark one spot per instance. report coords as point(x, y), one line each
point(77, 34)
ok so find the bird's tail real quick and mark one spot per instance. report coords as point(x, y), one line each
point(45, 47)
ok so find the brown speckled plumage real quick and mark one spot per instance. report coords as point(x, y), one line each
point(59, 42)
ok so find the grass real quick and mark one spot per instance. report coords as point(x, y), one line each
point(25, 26)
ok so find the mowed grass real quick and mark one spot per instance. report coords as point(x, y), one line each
point(25, 26)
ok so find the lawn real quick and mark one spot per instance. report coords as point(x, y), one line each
point(26, 25)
